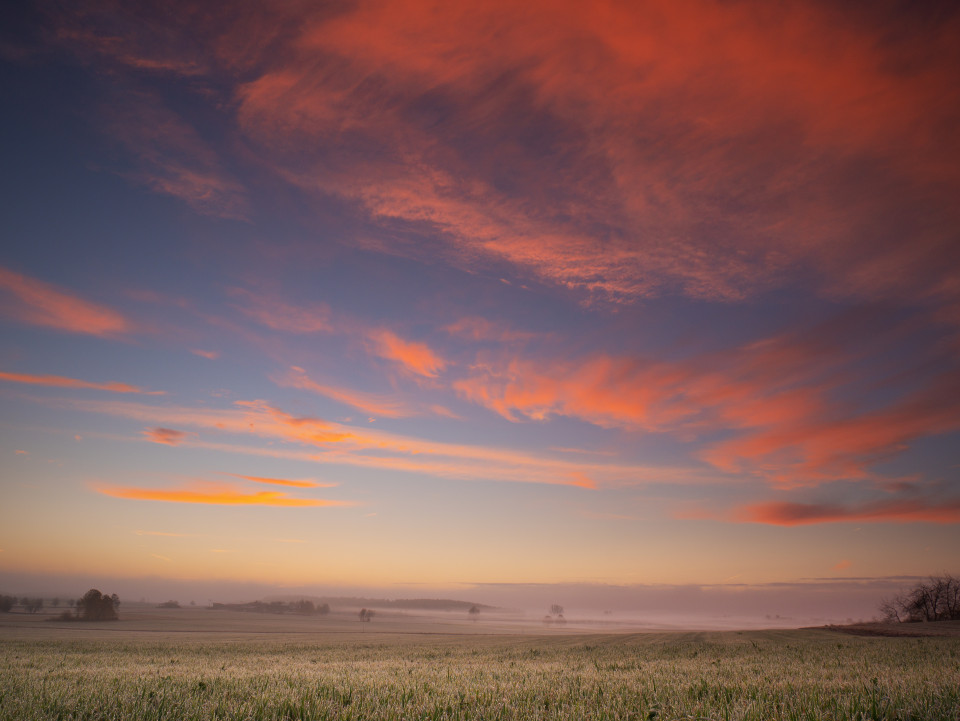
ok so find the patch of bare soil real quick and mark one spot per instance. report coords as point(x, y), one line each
point(909, 630)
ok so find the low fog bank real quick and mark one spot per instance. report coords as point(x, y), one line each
point(800, 603)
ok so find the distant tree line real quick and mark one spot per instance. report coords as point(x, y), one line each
point(30, 605)
point(936, 599)
point(94, 606)
point(303, 607)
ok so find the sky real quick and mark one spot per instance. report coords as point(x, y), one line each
point(468, 297)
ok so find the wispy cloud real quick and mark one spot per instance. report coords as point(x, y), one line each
point(480, 329)
point(336, 443)
point(416, 358)
point(283, 316)
point(63, 382)
point(944, 510)
point(371, 403)
point(35, 302)
point(166, 436)
point(213, 494)
point(171, 156)
point(775, 399)
point(208, 354)
point(284, 482)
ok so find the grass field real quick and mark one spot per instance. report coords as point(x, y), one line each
point(231, 667)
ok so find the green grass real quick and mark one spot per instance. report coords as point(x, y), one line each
point(749, 675)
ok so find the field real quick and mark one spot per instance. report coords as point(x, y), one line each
point(207, 665)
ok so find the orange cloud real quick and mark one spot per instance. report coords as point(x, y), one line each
point(414, 357)
point(842, 565)
point(835, 447)
point(336, 443)
point(774, 398)
point(63, 382)
point(372, 403)
point(214, 494)
point(284, 482)
point(209, 354)
point(32, 301)
point(683, 111)
point(704, 147)
point(167, 436)
point(893, 511)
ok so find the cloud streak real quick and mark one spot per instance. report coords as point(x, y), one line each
point(322, 441)
point(34, 302)
point(371, 403)
point(415, 358)
point(889, 511)
point(213, 494)
point(284, 482)
point(165, 436)
point(64, 382)
point(775, 400)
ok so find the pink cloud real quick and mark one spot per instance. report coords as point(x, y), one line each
point(208, 354)
point(37, 303)
point(416, 358)
point(319, 441)
point(166, 436)
point(774, 400)
point(280, 315)
point(711, 149)
point(893, 511)
point(480, 329)
point(372, 403)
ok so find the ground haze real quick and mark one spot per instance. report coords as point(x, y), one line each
point(196, 663)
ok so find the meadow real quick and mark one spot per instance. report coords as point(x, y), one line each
point(237, 668)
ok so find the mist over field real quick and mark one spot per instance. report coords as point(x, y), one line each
point(782, 605)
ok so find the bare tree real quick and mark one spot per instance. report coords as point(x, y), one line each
point(366, 614)
point(96, 606)
point(936, 599)
point(474, 612)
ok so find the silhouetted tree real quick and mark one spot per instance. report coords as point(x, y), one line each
point(32, 605)
point(323, 609)
point(474, 612)
point(366, 614)
point(556, 610)
point(6, 603)
point(95, 606)
point(303, 606)
point(936, 599)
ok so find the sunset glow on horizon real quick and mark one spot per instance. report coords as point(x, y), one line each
point(406, 294)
